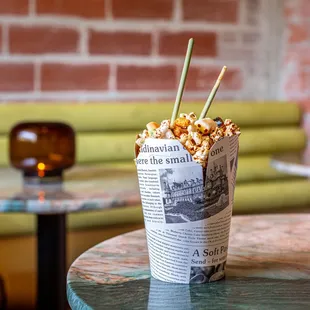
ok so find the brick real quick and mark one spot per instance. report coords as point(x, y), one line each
point(120, 43)
point(146, 78)
point(175, 44)
point(200, 78)
point(305, 106)
point(81, 8)
point(224, 11)
point(16, 7)
point(74, 77)
point(1, 39)
point(289, 12)
point(141, 9)
point(16, 77)
point(304, 59)
point(298, 33)
point(42, 40)
point(299, 54)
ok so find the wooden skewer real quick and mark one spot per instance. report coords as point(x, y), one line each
point(212, 94)
point(182, 81)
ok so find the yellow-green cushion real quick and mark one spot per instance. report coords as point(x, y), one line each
point(268, 196)
point(133, 116)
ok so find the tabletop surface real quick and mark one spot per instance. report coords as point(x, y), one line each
point(84, 188)
point(292, 163)
point(268, 267)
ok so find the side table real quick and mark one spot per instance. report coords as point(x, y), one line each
point(87, 188)
point(268, 267)
point(292, 163)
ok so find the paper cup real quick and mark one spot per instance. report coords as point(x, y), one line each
point(187, 209)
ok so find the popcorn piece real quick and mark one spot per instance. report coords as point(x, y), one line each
point(191, 117)
point(169, 134)
point(201, 156)
point(152, 126)
point(190, 147)
point(178, 131)
point(164, 131)
point(165, 125)
point(206, 125)
point(140, 141)
point(207, 142)
point(191, 128)
point(196, 136)
point(144, 134)
point(228, 122)
point(181, 122)
point(231, 128)
point(183, 138)
point(217, 134)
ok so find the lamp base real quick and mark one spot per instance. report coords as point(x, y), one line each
point(50, 177)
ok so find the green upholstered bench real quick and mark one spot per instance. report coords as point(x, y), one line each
point(106, 134)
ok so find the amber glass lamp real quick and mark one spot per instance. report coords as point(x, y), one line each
point(42, 150)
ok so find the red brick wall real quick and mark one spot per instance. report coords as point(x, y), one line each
point(296, 61)
point(128, 50)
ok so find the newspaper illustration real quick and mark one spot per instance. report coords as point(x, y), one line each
point(187, 208)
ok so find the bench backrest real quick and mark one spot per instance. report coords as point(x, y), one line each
point(106, 132)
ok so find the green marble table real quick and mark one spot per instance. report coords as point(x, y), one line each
point(268, 267)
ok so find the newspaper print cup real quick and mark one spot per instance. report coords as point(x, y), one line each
point(187, 208)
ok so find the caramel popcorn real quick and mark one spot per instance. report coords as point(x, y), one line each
point(198, 136)
point(182, 122)
point(231, 128)
point(217, 134)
